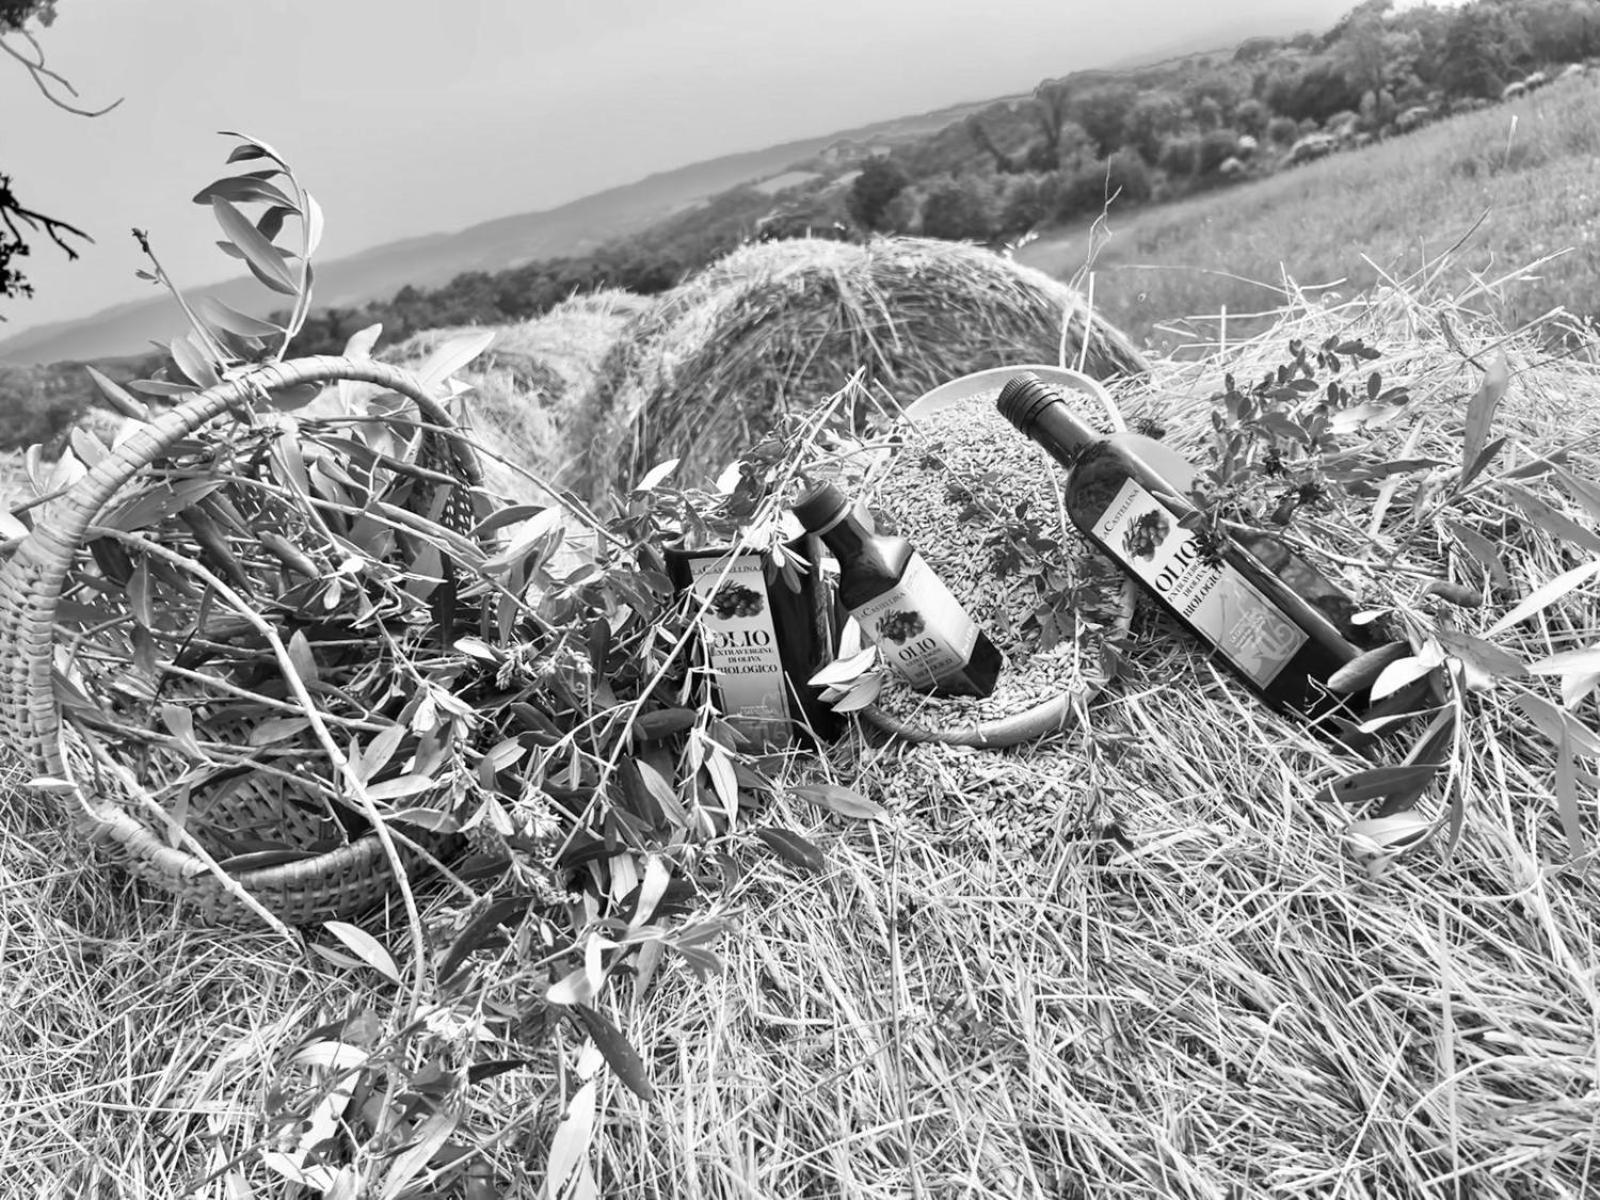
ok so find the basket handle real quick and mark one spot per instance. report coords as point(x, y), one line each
point(32, 579)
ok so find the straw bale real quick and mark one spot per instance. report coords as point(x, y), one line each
point(525, 386)
point(778, 327)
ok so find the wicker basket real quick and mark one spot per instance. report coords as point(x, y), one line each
point(312, 879)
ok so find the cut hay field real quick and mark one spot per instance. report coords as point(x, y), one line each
point(1530, 169)
point(1152, 955)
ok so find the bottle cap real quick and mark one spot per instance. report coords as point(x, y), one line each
point(819, 506)
point(1023, 398)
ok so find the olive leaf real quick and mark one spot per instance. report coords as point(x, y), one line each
point(1482, 550)
point(861, 694)
point(427, 1140)
point(253, 148)
point(505, 911)
point(1481, 655)
point(453, 355)
point(618, 1052)
point(314, 225)
point(1579, 671)
point(366, 947)
point(847, 802)
point(1545, 595)
point(263, 258)
point(245, 189)
point(1567, 807)
point(1377, 782)
point(793, 848)
point(845, 670)
point(232, 320)
point(723, 781)
point(569, 1147)
point(1387, 835)
point(116, 395)
point(1560, 727)
point(1405, 670)
point(1585, 492)
point(662, 793)
point(194, 362)
point(1480, 413)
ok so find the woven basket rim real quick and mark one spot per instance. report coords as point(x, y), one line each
point(31, 583)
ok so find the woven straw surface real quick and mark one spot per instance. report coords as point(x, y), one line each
point(129, 799)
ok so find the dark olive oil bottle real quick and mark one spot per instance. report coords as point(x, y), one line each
point(1270, 616)
point(920, 629)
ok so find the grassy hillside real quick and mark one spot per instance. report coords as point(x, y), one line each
point(507, 242)
point(1530, 169)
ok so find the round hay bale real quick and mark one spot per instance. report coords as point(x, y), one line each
point(778, 327)
point(526, 384)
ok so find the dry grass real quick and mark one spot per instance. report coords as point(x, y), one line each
point(126, 1035)
point(989, 998)
point(779, 327)
point(1530, 169)
point(984, 996)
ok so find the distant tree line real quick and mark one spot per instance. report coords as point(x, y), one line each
point(1073, 146)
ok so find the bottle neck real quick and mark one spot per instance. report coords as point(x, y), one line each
point(1062, 432)
point(845, 536)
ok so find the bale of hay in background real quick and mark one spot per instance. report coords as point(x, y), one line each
point(524, 390)
point(526, 384)
point(778, 327)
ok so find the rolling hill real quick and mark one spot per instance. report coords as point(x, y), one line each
point(572, 229)
point(428, 261)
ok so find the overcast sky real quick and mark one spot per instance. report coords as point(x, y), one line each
point(406, 117)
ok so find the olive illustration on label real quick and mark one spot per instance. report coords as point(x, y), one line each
point(1146, 533)
point(901, 625)
point(735, 600)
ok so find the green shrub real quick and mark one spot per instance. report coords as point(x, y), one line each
point(1251, 117)
point(1215, 148)
point(1086, 191)
point(1282, 131)
point(880, 181)
point(958, 208)
point(1029, 200)
point(1128, 177)
point(1180, 155)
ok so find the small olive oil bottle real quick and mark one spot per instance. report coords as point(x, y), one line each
point(1272, 617)
point(920, 629)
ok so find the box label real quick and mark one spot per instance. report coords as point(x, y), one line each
point(740, 638)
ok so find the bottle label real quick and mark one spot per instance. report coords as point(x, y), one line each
point(920, 629)
point(1220, 603)
point(740, 638)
